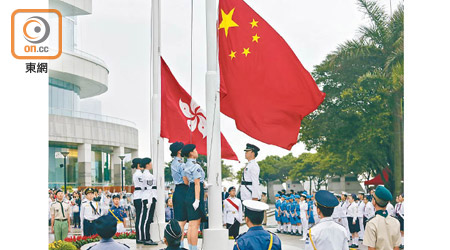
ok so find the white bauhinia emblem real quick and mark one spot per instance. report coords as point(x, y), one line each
point(195, 115)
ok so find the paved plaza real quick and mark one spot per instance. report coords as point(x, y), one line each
point(289, 242)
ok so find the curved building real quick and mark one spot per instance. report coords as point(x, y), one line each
point(94, 141)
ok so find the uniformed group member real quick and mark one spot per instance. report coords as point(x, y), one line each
point(309, 199)
point(106, 227)
point(60, 214)
point(195, 198)
point(400, 214)
point(232, 213)
point(343, 212)
point(119, 214)
point(353, 221)
point(382, 231)
point(326, 234)
point(303, 215)
point(284, 218)
point(138, 182)
point(278, 212)
point(90, 211)
point(297, 220)
point(148, 201)
point(361, 215)
point(369, 210)
point(337, 210)
point(250, 178)
point(288, 214)
point(172, 235)
point(181, 185)
point(256, 238)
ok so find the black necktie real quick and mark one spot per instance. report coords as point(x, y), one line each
point(95, 210)
point(62, 209)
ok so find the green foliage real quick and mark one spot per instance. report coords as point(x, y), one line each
point(128, 173)
point(363, 80)
point(61, 245)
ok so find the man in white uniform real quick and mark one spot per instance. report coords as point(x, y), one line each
point(250, 177)
point(303, 216)
point(232, 213)
point(90, 211)
point(327, 234)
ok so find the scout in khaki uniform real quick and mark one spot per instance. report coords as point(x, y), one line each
point(382, 231)
point(60, 213)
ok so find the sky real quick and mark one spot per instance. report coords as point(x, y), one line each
point(119, 34)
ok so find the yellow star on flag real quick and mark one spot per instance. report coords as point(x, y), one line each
point(227, 21)
point(246, 51)
point(232, 55)
point(255, 38)
point(254, 23)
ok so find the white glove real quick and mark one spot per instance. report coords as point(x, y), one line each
point(195, 204)
point(206, 184)
point(148, 205)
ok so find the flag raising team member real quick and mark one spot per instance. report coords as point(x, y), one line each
point(264, 87)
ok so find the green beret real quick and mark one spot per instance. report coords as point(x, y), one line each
point(382, 196)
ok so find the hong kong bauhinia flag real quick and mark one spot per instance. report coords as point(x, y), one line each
point(264, 87)
point(182, 119)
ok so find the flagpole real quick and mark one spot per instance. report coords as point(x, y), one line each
point(157, 228)
point(215, 237)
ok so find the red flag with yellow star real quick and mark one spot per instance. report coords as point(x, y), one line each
point(264, 87)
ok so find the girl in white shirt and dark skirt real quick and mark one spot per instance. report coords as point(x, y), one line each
point(353, 221)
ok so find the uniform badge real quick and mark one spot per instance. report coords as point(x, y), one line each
point(198, 169)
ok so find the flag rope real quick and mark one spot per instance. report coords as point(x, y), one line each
point(192, 31)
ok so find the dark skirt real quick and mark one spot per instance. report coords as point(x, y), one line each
point(402, 223)
point(179, 202)
point(353, 228)
point(199, 213)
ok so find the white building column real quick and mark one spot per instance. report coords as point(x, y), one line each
point(115, 166)
point(84, 165)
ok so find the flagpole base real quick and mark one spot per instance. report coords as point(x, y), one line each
point(216, 239)
point(157, 231)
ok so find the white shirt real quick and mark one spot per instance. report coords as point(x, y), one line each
point(138, 182)
point(369, 210)
point(251, 174)
point(401, 209)
point(303, 209)
point(352, 211)
point(342, 210)
point(360, 209)
point(327, 235)
point(337, 212)
point(88, 213)
point(230, 212)
point(390, 209)
point(148, 182)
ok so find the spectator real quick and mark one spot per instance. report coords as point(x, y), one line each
point(76, 204)
point(264, 200)
point(169, 209)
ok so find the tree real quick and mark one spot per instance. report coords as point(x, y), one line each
point(361, 119)
point(128, 174)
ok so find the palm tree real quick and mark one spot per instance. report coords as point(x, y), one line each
point(373, 62)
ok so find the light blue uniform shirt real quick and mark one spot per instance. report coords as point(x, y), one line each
point(177, 168)
point(194, 171)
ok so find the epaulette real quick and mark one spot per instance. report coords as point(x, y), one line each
point(124, 244)
point(91, 247)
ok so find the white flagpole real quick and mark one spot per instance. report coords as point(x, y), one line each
point(216, 237)
point(157, 227)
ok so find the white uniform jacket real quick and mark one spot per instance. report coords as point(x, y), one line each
point(352, 211)
point(251, 174)
point(138, 182)
point(369, 210)
point(327, 235)
point(230, 212)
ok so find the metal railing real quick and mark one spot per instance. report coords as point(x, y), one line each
point(90, 57)
point(90, 116)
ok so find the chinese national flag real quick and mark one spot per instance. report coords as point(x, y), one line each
point(264, 87)
point(182, 119)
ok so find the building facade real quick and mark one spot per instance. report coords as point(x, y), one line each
point(94, 141)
